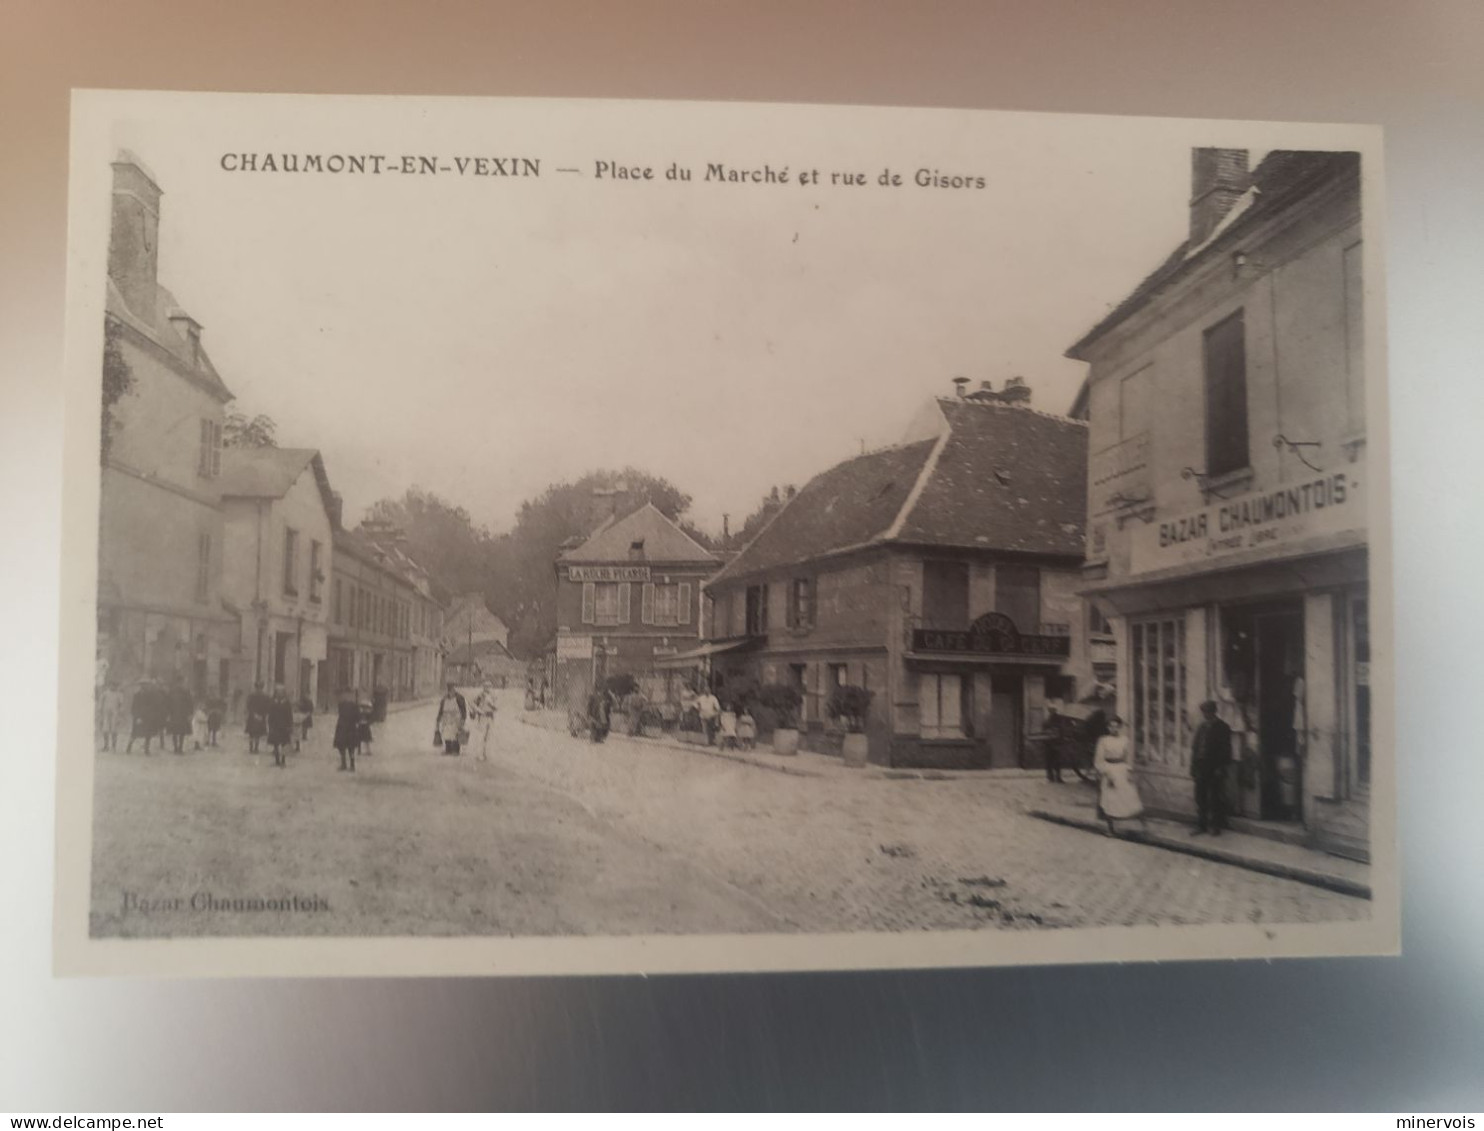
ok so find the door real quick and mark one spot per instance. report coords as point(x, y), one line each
point(281, 658)
point(1005, 698)
point(1280, 666)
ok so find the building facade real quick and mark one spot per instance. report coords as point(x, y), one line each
point(371, 653)
point(1227, 537)
point(941, 575)
point(427, 602)
point(476, 642)
point(628, 598)
point(278, 514)
point(160, 610)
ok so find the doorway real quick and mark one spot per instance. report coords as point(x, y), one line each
point(1264, 667)
point(1006, 696)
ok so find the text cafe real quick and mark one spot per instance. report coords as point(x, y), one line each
point(1259, 602)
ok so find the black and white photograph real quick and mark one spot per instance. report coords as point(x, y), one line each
point(520, 536)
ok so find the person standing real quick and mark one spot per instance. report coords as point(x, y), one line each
point(147, 715)
point(708, 706)
point(257, 717)
point(483, 709)
point(280, 725)
point(348, 732)
point(305, 710)
point(453, 712)
point(1210, 755)
point(1058, 739)
point(1118, 796)
point(180, 709)
point(111, 714)
point(199, 732)
point(215, 710)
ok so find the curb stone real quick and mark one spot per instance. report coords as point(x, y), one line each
point(1310, 876)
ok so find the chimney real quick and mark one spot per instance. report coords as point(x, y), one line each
point(986, 386)
point(1218, 178)
point(189, 330)
point(961, 384)
point(337, 510)
point(789, 492)
point(1016, 391)
point(133, 240)
point(726, 527)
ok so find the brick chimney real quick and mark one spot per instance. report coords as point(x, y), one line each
point(134, 239)
point(1016, 391)
point(1218, 178)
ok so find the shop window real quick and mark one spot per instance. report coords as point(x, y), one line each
point(1158, 690)
point(945, 595)
point(943, 702)
point(1226, 396)
point(1017, 594)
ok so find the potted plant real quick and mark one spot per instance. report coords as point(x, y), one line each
point(784, 701)
point(849, 706)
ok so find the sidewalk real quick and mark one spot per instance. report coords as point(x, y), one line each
point(1078, 810)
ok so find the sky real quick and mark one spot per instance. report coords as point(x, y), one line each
point(483, 337)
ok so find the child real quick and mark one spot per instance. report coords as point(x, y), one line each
point(198, 726)
point(746, 730)
point(363, 727)
point(306, 720)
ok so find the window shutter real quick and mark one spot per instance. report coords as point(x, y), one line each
point(646, 603)
point(625, 608)
point(589, 602)
point(216, 449)
point(791, 604)
point(684, 602)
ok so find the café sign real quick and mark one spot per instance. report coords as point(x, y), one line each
point(574, 647)
point(608, 573)
point(993, 634)
point(1327, 504)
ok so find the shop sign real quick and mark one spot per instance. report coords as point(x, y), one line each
point(607, 573)
point(993, 634)
point(1327, 504)
point(574, 648)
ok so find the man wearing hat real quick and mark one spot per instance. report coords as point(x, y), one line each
point(1210, 755)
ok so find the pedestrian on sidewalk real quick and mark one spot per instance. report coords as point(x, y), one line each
point(257, 717)
point(708, 706)
point(147, 715)
point(304, 709)
point(1118, 796)
point(453, 713)
point(1210, 755)
point(280, 725)
point(216, 711)
point(348, 731)
point(179, 710)
point(111, 714)
point(364, 710)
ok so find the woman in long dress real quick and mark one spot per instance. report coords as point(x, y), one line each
point(453, 711)
point(1118, 796)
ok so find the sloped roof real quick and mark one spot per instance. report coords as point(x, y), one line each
point(155, 325)
point(362, 549)
point(1009, 478)
point(851, 504)
point(663, 541)
point(468, 614)
point(267, 473)
point(1003, 477)
point(1280, 177)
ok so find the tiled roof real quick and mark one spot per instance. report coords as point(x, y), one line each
point(663, 541)
point(1279, 178)
point(851, 504)
point(1009, 478)
point(1005, 477)
point(262, 473)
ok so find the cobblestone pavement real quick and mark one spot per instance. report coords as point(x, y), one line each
point(857, 851)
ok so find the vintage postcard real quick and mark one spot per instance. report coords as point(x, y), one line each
point(527, 536)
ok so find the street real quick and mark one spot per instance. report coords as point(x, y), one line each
point(556, 836)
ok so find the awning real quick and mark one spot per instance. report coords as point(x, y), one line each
point(695, 655)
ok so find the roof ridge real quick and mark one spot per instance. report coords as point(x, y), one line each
point(924, 477)
point(1002, 407)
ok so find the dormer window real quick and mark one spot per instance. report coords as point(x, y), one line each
point(636, 550)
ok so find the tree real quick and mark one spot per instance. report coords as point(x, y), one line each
point(441, 537)
point(238, 431)
point(118, 382)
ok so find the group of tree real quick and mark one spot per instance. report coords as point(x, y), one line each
point(513, 570)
